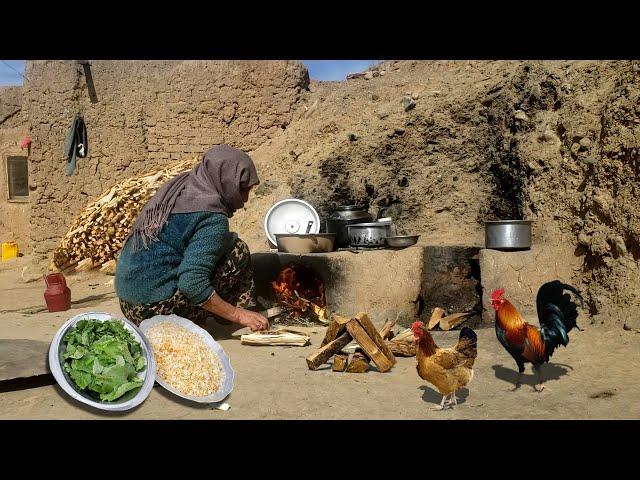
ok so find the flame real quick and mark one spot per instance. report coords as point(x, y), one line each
point(301, 290)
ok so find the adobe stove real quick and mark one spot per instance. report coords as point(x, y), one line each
point(398, 284)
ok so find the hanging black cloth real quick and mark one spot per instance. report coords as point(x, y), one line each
point(76, 145)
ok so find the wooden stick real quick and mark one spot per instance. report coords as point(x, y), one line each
point(374, 335)
point(385, 331)
point(340, 362)
point(334, 330)
point(403, 336)
point(453, 320)
point(320, 356)
point(436, 316)
point(402, 349)
point(359, 363)
point(359, 334)
point(275, 338)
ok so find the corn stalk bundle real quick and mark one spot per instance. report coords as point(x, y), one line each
point(98, 232)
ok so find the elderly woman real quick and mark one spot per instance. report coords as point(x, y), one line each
point(180, 256)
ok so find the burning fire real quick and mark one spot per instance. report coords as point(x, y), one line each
point(301, 290)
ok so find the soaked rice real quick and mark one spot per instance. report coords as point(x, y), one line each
point(184, 361)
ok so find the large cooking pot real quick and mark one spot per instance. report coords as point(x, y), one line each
point(508, 234)
point(369, 234)
point(344, 216)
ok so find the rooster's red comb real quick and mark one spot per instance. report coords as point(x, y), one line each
point(415, 326)
point(496, 294)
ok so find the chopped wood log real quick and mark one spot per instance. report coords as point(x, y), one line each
point(109, 267)
point(402, 349)
point(359, 363)
point(405, 335)
point(453, 320)
point(86, 264)
point(334, 330)
point(272, 312)
point(385, 331)
point(374, 335)
point(351, 348)
point(320, 356)
point(370, 347)
point(275, 338)
point(436, 316)
point(340, 362)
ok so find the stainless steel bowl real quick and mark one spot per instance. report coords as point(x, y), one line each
point(402, 241)
point(508, 234)
point(130, 399)
point(369, 234)
point(305, 243)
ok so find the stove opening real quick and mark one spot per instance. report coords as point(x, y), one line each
point(302, 295)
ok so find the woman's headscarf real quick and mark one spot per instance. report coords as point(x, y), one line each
point(213, 185)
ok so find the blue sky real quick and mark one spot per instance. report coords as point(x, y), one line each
point(318, 69)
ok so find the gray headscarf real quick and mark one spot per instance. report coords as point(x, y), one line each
point(213, 185)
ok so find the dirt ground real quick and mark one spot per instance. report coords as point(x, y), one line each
point(596, 377)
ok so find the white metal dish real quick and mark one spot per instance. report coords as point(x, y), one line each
point(130, 399)
point(225, 362)
point(290, 216)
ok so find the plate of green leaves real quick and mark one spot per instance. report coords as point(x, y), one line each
point(103, 361)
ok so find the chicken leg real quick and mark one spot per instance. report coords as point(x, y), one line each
point(538, 370)
point(442, 405)
point(454, 398)
point(520, 372)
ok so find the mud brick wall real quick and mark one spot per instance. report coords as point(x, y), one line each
point(143, 114)
point(14, 217)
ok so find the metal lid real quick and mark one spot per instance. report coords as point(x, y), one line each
point(507, 222)
point(350, 208)
point(374, 224)
point(290, 216)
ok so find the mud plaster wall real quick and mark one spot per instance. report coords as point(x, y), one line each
point(14, 217)
point(146, 114)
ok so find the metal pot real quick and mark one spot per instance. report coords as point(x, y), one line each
point(305, 243)
point(508, 234)
point(369, 234)
point(344, 216)
point(402, 241)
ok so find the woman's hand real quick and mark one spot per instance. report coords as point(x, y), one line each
point(250, 319)
point(246, 318)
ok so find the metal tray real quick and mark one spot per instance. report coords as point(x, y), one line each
point(225, 362)
point(130, 399)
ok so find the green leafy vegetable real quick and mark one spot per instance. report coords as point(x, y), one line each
point(104, 358)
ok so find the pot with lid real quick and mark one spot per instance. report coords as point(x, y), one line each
point(340, 220)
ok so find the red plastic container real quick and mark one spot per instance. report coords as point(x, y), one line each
point(57, 295)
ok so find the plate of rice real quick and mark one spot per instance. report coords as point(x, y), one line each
point(189, 362)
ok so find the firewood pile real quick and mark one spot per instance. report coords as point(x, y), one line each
point(97, 234)
point(355, 343)
point(369, 345)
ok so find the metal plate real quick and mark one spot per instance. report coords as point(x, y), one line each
point(225, 362)
point(130, 399)
point(290, 216)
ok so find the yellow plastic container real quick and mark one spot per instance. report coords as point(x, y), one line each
point(9, 250)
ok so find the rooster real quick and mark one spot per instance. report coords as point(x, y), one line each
point(448, 369)
point(557, 314)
